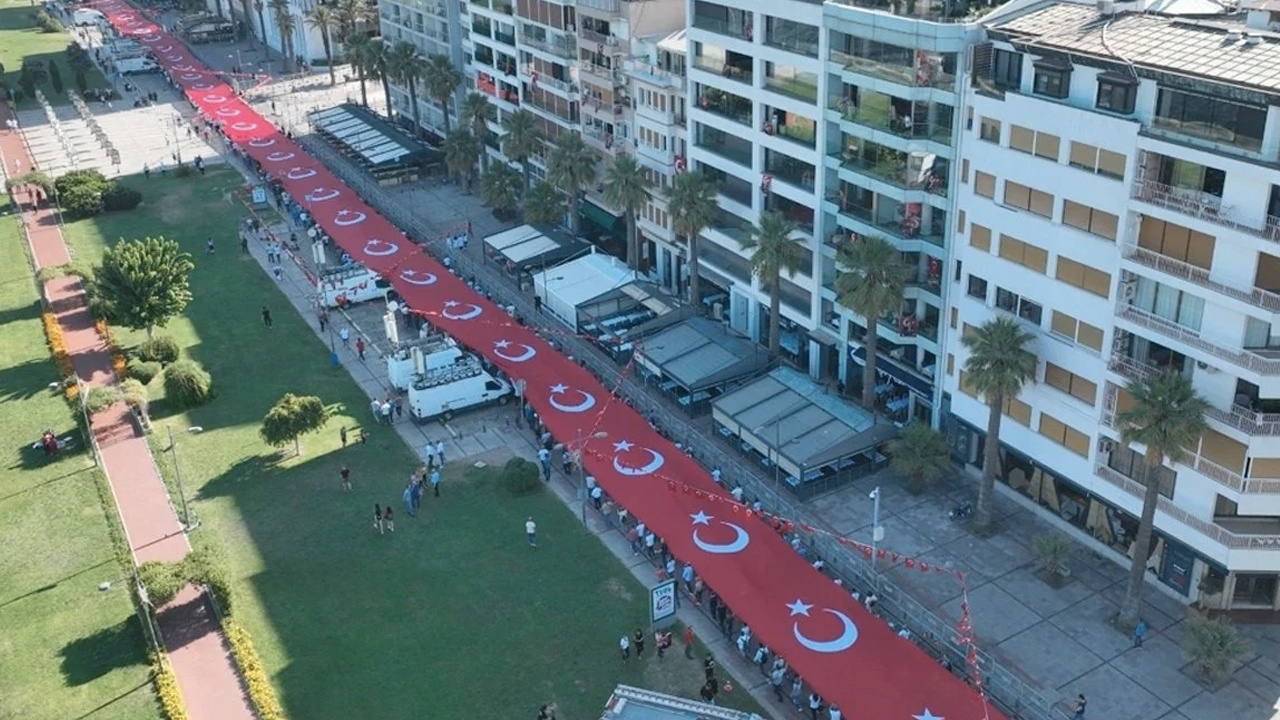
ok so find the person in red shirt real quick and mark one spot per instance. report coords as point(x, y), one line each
point(688, 641)
point(360, 347)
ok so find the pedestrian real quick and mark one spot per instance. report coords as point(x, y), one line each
point(440, 452)
point(345, 472)
point(834, 712)
point(360, 347)
point(624, 644)
point(775, 679)
point(435, 482)
point(708, 692)
point(345, 336)
point(761, 659)
point(686, 575)
point(797, 691)
point(376, 408)
point(364, 436)
point(377, 517)
point(278, 273)
point(146, 170)
point(1080, 705)
point(208, 245)
point(388, 519)
point(416, 494)
point(544, 458)
point(815, 705)
point(688, 641)
point(407, 496)
point(266, 317)
point(633, 537)
point(1139, 633)
point(323, 317)
point(715, 475)
point(547, 712)
point(697, 590)
point(385, 411)
point(649, 541)
point(244, 243)
point(597, 496)
point(342, 435)
point(639, 643)
point(742, 645)
point(531, 529)
point(399, 407)
point(709, 668)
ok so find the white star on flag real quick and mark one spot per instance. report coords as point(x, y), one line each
point(928, 716)
point(451, 303)
point(799, 607)
point(701, 518)
point(622, 446)
point(501, 344)
point(559, 388)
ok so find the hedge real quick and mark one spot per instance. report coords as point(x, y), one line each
point(61, 358)
point(261, 693)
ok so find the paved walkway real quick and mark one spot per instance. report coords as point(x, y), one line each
point(198, 653)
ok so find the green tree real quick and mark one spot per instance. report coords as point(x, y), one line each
point(626, 186)
point(379, 67)
point(773, 252)
point(142, 283)
point(352, 16)
point(1213, 647)
point(405, 66)
point(1166, 416)
point(291, 418)
point(500, 188)
point(999, 365)
point(460, 150)
point(82, 83)
point(441, 80)
point(921, 455)
point(543, 204)
point(870, 281)
point(55, 77)
point(571, 166)
point(693, 205)
point(27, 81)
point(476, 113)
point(362, 55)
point(259, 6)
point(282, 14)
point(522, 140)
point(321, 17)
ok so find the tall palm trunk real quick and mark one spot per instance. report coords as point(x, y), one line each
point(328, 55)
point(524, 171)
point(386, 90)
point(364, 94)
point(633, 244)
point(983, 514)
point(575, 211)
point(775, 309)
point(870, 340)
point(695, 292)
point(444, 110)
point(1129, 609)
point(413, 103)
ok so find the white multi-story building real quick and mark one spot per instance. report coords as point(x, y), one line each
point(1119, 195)
point(427, 25)
point(307, 41)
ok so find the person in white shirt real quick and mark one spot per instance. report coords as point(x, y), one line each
point(531, 529)
point(625, 646)
point(904, 633)
point(715, 475)
point(440, 452)
point(737, 493)
point(834, 712)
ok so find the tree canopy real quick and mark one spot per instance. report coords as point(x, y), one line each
point(142, 283)
point(291, 418)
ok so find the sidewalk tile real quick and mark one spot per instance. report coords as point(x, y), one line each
point(1044, 651)
point(1155, 666)
point(997, 615)
point(1037, 595)
point(1106, 687)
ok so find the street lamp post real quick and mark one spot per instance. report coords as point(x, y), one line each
point(177, 475)
point(877, 532)
point(580, 444)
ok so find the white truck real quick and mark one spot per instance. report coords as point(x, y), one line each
point(136, 65)
point(350, 284)
point(415, 358)
point(85, 17)
point(454, 388)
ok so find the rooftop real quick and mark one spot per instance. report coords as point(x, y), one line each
point(1216, 49)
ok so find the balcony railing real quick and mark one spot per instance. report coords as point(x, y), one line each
point(737, 112)
point(1247, 421)
point(601, 74)
point(723, 69)
point(555, 46)
point(1207, 528)
point(1203, 206)
point(900, 74)
point(599, 38)
point(894, 173)
point(505, 38)
point(722, 27)
point(791, 87)
point(894, 126)
point(541, 105)
point(1264, 299)
point(1242, 358)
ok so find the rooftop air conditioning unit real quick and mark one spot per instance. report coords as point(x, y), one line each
point(1106, 8)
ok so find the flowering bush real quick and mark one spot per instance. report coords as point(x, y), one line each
point(167, 688)
point(61, 358)
point(261, 693)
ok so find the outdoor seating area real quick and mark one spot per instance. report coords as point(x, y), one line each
point(384, 151)
point(698, 360)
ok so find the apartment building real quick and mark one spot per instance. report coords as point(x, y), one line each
point(307, 41)
point(425, 24)
point(1119, 195)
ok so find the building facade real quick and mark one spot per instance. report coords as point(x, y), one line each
point(1128, 215)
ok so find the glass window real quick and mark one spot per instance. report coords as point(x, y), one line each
point(978, 288)
point(989, 130)
point(1116, 94)
point(1051, 82)
point(790, 35)
point(1006, 69)
point(1090, 220)
point(1131, 464)
point(1212, 119)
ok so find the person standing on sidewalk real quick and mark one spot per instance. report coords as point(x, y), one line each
point(815, 705)
point(1139, 633)
point(384, 410)
point(775, 679)
point(797, 691)
point(440, 452)
point(435, 482)
point(1080, 706)
point(376, 408)
point(345, 336)
point(360, 347)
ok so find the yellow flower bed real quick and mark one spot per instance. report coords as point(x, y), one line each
point(261, 693)
point(61, 358)
point(167, 688)
point(117, 357)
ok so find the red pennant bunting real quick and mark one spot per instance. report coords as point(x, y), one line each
point(697, 494)
point(790, 526)
point(882, 553)
point(866, 552)
point(671, 485)
point(924, 567)
point(910, 563)
point(750, 512)
point(895, 556)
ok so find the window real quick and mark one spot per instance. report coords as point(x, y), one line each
point(1169, 303)
point(1022, 307)
point(1130, 464)
point(1006, 70)
point(1051, 81)
point(792, 36)
point(1070, 383)
point(1116, 93)
point(1063, 434)
point(951, 364)
point(1076, 331)
point(1084, 277)
point(964, 171)
point(1090, 220)
point(1097, 160)
point(1177, 242)
point(1018, 411)
point(984, 184)
point(977, 288)
point(1022, 139)
point(1218, 121)
point(1030, 199)
point(955, 318)
point(1024, 254)
point(1047, 146)
point(989, 130)
point(960, 221)
point(980, 237)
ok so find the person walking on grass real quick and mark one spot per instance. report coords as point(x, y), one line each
point(342, 435)
point(376, 408)
point(638, 641)
point(266, 317)
point(435, 482)
point(208, 245)
point(345, 472)
point(624, 645)
point(440, 452)
point(388, 519)
point(377, 517)
point(345, 336)
point(531, 530)
point(407, 496)
point(360, 348)
point(688, 641)
point(416, 494)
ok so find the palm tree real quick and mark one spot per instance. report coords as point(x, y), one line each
point(476, 113)
point(282, 14)
point(543, 204)
point(442, 80)
point(349, 15)
point(460, 150)
point(1166, 416)
point(571, 166)
point(247, 7)
point(500, 188)
point(321, 18)
point(692, 205)
point(361, 51)
point(262, 22)
point(405, 66)
point(379, 67)
point(871, 281)
point(774, 251)
point(921, 455)
point(523, 140)
point(999, 365)
point(626, 186)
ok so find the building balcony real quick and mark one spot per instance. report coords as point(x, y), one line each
point(558, 46)
point(722, 27)
point(602, 75)
point(1242, 418)
point(1203, 206)
point(793, 87)
point(1263, 364)
point(608, 7)
point(549, 109)
point(1236, 540)
point(598, 38)
point(1257, 297)
point(724, 105)
point(901, 127)
point(894, 172)
point(903, 230)
point(505, 38)
point(719, 67)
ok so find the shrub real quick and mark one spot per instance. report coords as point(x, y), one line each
point(163, 580)
point(81, 178)
point(55, 77)
point(47, 23)
point(82, 83)
point(1053, 550)
point(144, 371)
point(205, 566)
point(100, 398)
point(186, 384)
point(519, 476)
point(160, 348)
point(61, 358)
point(118, 197)
point(167, 688)
point(134, 392)
point(255, 675)
point(1213, 646)
point(82, 200)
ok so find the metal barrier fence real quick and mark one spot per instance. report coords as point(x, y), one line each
point(1003, 687)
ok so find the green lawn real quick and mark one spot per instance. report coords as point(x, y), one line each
point(453, 615)
point(21, 39)
point(66, 648)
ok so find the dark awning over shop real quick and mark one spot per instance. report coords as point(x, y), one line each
point(904, 377)
point(375, 142)
point(700, 353)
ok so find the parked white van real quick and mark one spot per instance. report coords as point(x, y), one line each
point(461, 386)
point(340, 287)
point(136, 66)
point(414, 359)
point(88, 16)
